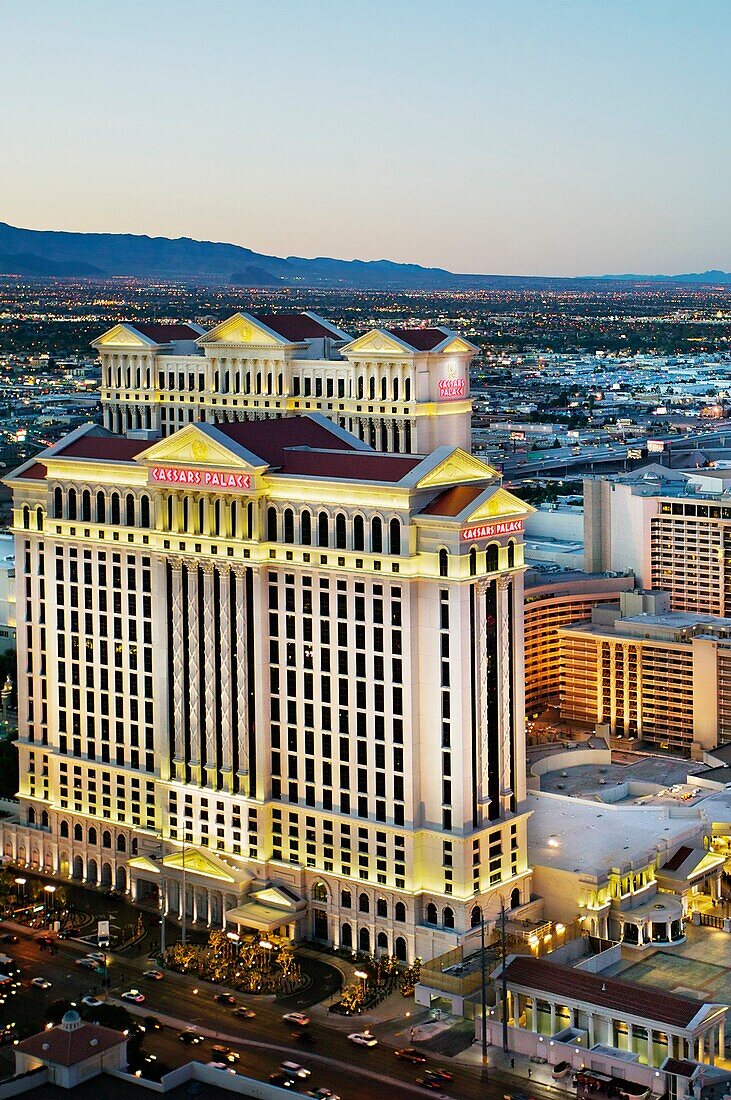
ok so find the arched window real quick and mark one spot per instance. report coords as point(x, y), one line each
point(364, 941)
point(358, 533)
point(171, 512)
point(407, 389)
point(475, 917)
point(106, 839)
point(86, 506)
point(395, 389)
point(121, 843)
point(399, 912)
point(382, 941)
point(39, 519)
point(64, 830)
point(443, 563)
point(399, 949)
point(93, 839)
point(288, 525)
point(346, 936)
point(381, 908)
point(376, 535)
point(340, 531)
point(431, 913)
point(319, 892)
point(384, 389)
point(272, 524)
point(323, 525)
point(44, 819)
point(394, 537)
point(31, 816)
point(306, 528)
point(26, 517)
point(448, 917)
point(515, 898)
point(363, 904)
point(130, 510)
point(57, 503)
point(359, 389)
point(144, 510)
point(101, 508)
point(72, 504)
point(345, 899)
point(511, 554)
point(473, 561)
point(115, 509)
point(492, 558)
point(134, 845)
point(78, 835)
point(372, 388)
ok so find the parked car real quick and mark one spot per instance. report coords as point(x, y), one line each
point(561, 1069)
point(538, 1059)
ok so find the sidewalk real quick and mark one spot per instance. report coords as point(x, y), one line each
point(518, 1066)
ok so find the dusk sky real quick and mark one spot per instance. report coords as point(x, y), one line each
point(553, 137)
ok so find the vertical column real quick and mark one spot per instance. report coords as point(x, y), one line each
point(208, 715)
point(504, 688)
point(194, 670)
point(553, 1018)
point(240, 687)
point(226, 762)
point(176, 641)
point(481, 764)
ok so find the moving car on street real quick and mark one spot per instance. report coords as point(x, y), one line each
point(363, 1039)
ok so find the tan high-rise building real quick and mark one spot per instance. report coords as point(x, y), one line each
point(263, 662)
point(402, 390)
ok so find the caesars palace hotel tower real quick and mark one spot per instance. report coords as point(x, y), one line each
point(269, 676)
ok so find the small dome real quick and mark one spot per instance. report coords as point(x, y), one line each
point(71, 1020)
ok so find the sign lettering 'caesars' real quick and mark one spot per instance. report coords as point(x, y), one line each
point(230, 480)
point(451, 388)
point(487, 530)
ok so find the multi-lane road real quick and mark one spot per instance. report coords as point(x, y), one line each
point(262, 1043)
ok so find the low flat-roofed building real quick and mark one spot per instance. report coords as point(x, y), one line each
point(610, 1025)
point(610, 877)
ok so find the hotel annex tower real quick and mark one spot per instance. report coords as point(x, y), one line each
point(272, 678)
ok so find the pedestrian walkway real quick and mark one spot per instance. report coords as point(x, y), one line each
point(518, 1066)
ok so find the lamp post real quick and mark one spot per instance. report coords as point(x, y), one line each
point(267, 947)
point(49, 892)
point(363, 977)
point(20, 884)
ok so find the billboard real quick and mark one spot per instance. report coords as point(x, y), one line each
point(489, 530)
point(232, 481)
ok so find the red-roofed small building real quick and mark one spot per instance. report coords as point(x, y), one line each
point(72, 1051)
point(401, 389)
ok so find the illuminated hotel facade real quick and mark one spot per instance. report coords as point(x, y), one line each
point(400, 390)
point(272, 679)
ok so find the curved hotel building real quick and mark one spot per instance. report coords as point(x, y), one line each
point(269, 677)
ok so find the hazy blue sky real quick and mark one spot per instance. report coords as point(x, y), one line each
point(532, 136)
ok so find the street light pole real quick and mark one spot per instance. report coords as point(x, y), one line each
point(484, 990)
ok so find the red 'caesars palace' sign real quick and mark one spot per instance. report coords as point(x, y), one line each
point(231, 480)
point(501, 527)
point(451, 388)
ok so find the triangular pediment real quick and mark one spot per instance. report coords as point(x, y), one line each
point(200, 445)
point(144, 863)
point(195, 862)
point(455, 469)
point(500, 504)
point(242, 329)
point(384, 343)
point(123, 336)
point(274, 895)
point(458, 346)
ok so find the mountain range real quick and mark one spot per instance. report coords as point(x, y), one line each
point(52, 254)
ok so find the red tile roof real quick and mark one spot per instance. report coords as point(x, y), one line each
point(677, 860)
point(295, 326)
point(421, 339)
point(353, 465)
point(452, 501)
point(646, 1002)
point(163, 334)
point(36, 472)
point(113, 448)
point(66, 1047)
point(270, 438)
